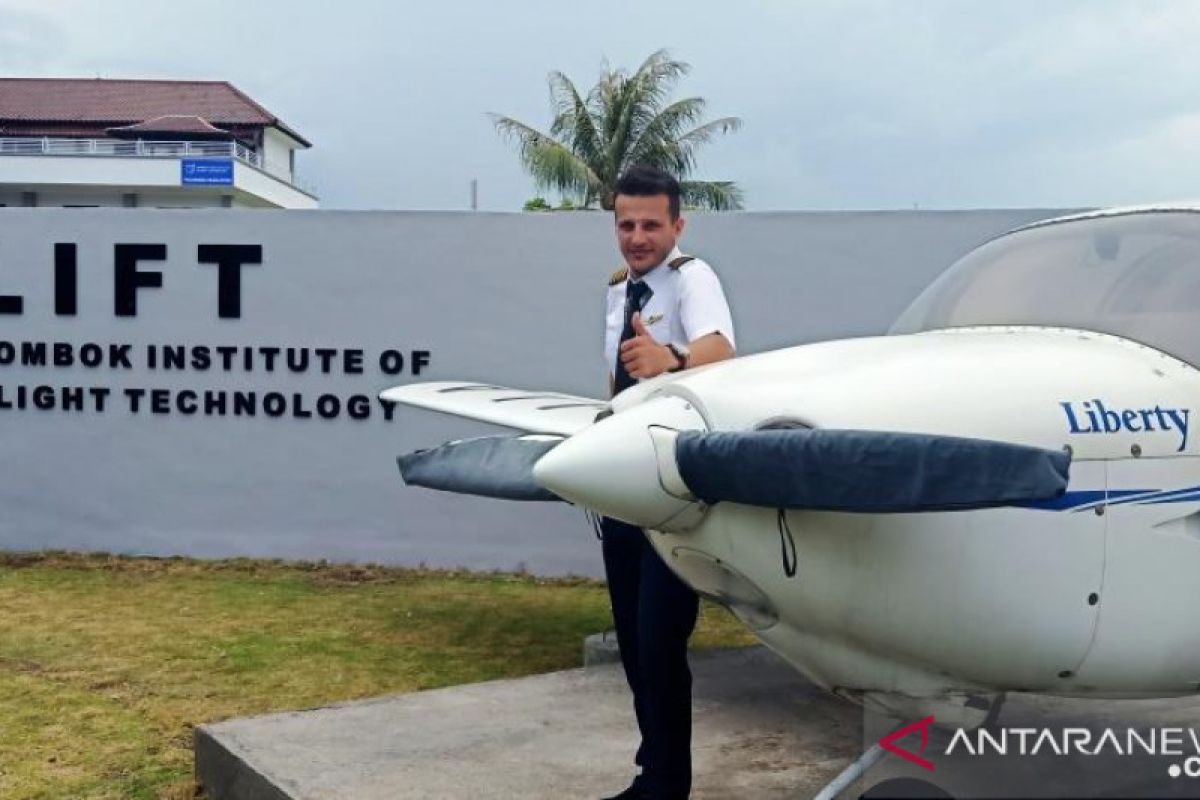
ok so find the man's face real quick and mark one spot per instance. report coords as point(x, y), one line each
point(645, 231)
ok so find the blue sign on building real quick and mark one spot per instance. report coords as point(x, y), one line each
point(206, 172)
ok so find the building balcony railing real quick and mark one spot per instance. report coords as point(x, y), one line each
point(126, 148)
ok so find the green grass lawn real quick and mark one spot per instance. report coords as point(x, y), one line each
point(107, 663)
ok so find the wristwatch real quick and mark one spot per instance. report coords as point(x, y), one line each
point(680, 352)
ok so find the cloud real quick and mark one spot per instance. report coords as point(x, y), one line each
point(847, 103)
point(28, 40)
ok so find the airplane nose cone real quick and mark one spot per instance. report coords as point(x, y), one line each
point(615, 467)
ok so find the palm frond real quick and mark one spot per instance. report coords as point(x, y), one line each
point(550, 162)
point(659, 144)
point(712, 195)
point(703, 134)
point(658, 75)
point(516, 131)
point(554, 166)
point(574, 122)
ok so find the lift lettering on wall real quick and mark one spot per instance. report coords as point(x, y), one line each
point(132, 278)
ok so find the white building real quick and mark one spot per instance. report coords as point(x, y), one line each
point(162, 144)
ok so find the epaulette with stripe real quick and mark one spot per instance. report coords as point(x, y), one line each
point(623, 273)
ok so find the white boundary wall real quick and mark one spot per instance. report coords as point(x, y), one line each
point(514, 299)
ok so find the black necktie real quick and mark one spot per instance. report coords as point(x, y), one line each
point(636, 295)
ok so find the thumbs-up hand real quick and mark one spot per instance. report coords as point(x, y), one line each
point(642, 356)
point(639, 327)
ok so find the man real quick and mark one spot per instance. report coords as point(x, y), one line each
point(666, 312)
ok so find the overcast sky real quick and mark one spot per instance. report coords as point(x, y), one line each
point(847, 104)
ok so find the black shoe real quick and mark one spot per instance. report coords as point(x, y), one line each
point(634, 792)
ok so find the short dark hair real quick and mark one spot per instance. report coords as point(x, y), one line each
point(642, 181)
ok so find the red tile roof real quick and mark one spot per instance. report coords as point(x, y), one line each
point(53, 129)
point(174, 124)
point(103, 100)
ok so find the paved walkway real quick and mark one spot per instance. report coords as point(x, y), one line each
point(761, 731)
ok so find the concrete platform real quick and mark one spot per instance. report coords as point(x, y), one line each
point(761, 732)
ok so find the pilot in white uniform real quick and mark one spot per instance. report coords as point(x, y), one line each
point(665, 312)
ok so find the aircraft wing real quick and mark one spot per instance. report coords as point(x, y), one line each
point(532, 411)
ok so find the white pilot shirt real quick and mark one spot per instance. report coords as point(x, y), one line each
point(686, 303)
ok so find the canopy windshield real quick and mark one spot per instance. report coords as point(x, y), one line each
point(1135, 275)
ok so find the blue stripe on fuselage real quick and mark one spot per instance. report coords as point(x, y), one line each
point(1087, 498)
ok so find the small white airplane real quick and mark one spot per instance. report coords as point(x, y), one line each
point(1003, 494)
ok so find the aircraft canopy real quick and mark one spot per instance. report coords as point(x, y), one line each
point(1133, 274)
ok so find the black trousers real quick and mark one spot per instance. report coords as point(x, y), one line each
point(654, 613)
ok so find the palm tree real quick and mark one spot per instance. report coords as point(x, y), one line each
point(623, 121)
